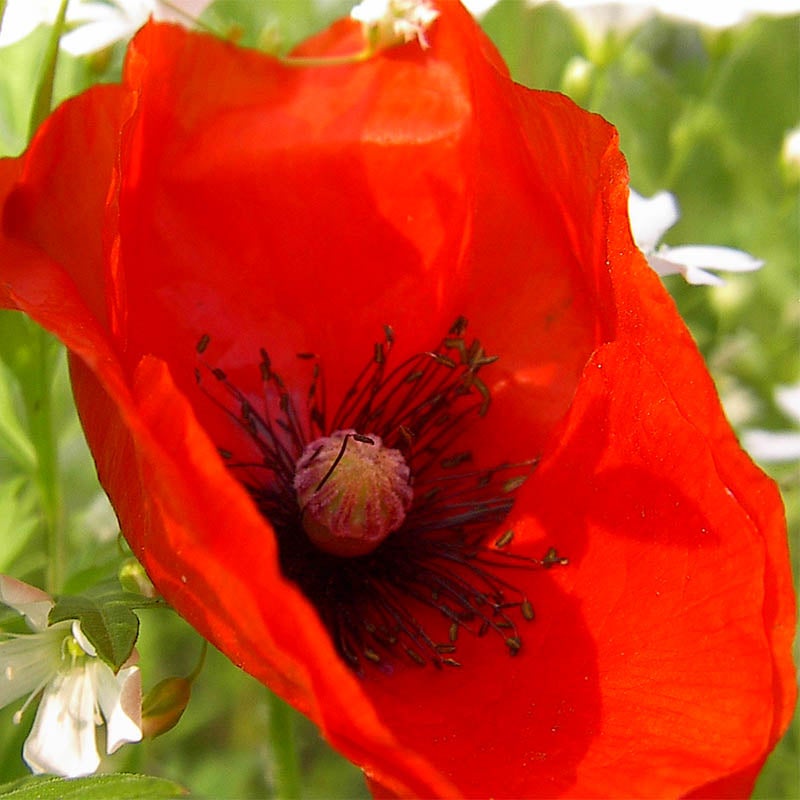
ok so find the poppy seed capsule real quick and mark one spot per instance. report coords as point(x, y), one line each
point(352, 492)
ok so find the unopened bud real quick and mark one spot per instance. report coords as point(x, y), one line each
point(163, 706)
point(134, 579)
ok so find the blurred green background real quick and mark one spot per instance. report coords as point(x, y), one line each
point(702, 113)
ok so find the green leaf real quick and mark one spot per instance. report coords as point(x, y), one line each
point(107, 620)
point(19, 70)
point(759, 84)
point(14, 441)
point(17, 519)
point(28, 359)
point(643, 102)
point(99, 787)
point(537, 42)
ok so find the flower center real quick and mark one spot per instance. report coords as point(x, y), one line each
point(391, 534)
point(352, 492)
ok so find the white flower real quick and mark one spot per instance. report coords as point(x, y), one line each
point(93, 26)
point(389, 22)
point(602, 15)
point(22, 16)
point(652, 217)
point(777, 446)
point(79, 690)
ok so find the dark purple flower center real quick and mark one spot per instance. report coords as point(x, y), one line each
point(377, 519)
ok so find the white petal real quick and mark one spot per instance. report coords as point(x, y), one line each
point(787, 399)
point(479, 7)
point(62, 740)
point(723, 259)
point(32, 603)
point(120, 698)
point(96, 36)
point(28, 662)
point(721, 14)
point(772, 446)
point(651, 218)
point(390, 22)
point(187, 10)
point(700, 277)
point(80, 638)
point(667, 266)
point(694, 261)
point(80, 12)
point(370, 11)
point(23, 16)
point(790, 150)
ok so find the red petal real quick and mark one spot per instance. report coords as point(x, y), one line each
point(360, 184)
point(59, 199)
point(301, 209)
point(172, 490)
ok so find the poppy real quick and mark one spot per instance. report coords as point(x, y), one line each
point(224, 239)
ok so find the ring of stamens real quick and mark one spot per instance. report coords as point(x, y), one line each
point(442, 556)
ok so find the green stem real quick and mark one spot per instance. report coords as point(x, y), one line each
point(43, 97)
point(198, 668)
point(283, 744)
point(40, 406)
point(43, 436)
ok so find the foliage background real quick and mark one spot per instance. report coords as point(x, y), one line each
point(701, 113)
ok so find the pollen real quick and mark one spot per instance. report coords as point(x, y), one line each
point(352, 492)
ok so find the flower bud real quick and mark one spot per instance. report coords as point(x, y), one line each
point(164, 704)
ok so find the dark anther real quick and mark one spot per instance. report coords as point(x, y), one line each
point(447, 571)
point(552, 559)
point(504, 539)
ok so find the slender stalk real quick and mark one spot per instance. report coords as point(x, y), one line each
point(43, 436)
point(283, 744)
point(39, 405)
point(43, 97)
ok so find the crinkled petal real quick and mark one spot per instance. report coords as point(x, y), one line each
point(194, 216)
point(120, 700)
point(62, 740)
point(32, 603)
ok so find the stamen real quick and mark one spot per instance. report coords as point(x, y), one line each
point(373, 555)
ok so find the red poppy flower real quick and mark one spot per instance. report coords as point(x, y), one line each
point(218, 203)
